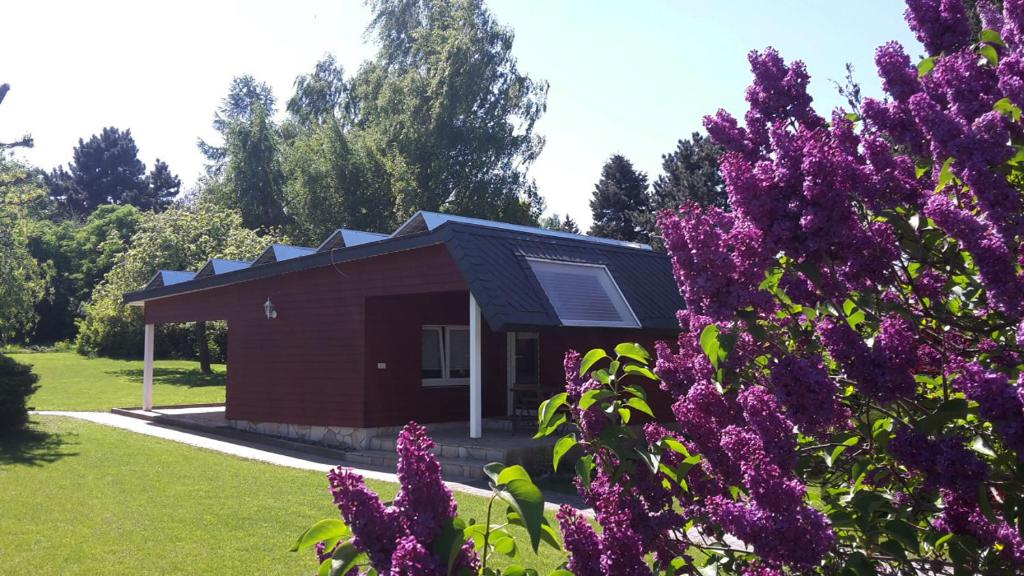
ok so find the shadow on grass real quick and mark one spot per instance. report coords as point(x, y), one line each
point(34, 447)
point(189, 377)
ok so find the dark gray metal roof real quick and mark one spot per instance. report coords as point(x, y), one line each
point(493, 262)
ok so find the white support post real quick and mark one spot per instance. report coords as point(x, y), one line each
point(147, 371)
point(475, 345)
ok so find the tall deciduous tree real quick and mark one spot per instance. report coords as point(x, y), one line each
point(618, 197)
point(448, 110)
point(320, 95)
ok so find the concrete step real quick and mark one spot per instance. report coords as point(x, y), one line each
point(454, 469)
point(449, 450)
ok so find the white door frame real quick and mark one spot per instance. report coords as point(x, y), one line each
point(510, 363)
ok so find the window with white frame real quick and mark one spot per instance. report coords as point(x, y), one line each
point(445, 356)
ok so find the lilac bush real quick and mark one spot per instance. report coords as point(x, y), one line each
point(420, 533)
point(848, 386)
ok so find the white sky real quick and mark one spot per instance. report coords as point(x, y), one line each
point(626, 78)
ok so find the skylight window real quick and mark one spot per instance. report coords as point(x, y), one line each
point(583, 294)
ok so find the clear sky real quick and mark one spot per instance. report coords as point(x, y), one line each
point(626, 77)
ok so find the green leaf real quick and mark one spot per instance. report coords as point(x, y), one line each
point(344, 559)
point(590, 358)
point(989, 53)
point(709, 343)
point(640, 371)
point(633, 351)
point(564, 444)
point(924, 67)
point(524, 496)
point(559, 419)
point(640, 405)
point(515, 472)
point(992, 37)
point(860, 565)
point(493, 470)
point(448, 544)
point(548, 534)
point(904, 533)
point(979, 446)
point(590, 397)
point(330, 529)
point(584, 469)
point(1007, 108)
point(548, 409)
point(945, 175)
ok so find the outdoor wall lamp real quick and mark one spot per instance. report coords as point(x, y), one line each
point(269, 310)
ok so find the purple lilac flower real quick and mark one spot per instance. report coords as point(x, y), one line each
point(424, 501)
point(962, 515)
point(702, 415)
point(944, 462)
point(998, 402)
point(682, 369)
point(1013, 23)
point(803, 386)
point(965, 86)
point(766, 418)
point(715, 261)
point(882, 372)
point(899, 77)
point(892, 180)
point(761, 570)
point(941, 25)
point(580, 541)
point(592, 420)
point(780, 91)
point(375, 529)
point(895, 120)
point(411, 557)
point(617, 510)
point(990, 253)
point(774, 519)
point(990, 15)
point(1011, 78)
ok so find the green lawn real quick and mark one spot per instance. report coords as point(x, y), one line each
point(69, 381)
point(80, 498)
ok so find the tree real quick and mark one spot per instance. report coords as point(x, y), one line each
point(619, 195)
point(75, 256)
point(555, 222)
point(22, 281)
point(21, 284)
point(690, 175)
point(17, 383)
point(180, 238)
point(105, 170)
point(162, 186)
point(448, 111)
point(319, 96)
point(245, 96)
point(333, 180)
point(252, 172)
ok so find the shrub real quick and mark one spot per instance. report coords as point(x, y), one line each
point(17, 383)
point(846, 380)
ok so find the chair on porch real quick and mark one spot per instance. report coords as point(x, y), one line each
point(525, 400)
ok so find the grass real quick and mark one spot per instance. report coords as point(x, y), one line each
point(80, 498)
point(69, 381)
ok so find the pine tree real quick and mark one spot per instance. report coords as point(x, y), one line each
point(690, 175)
point(105, 170)
point(163, 187)
point(253, 172)
point(619, 196)
point(569, 225)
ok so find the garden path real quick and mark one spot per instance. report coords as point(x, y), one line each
point(261, 452)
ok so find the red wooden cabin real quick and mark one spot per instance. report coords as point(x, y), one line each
point(440, 321)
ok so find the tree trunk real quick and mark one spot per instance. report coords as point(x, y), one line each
point(204, 348)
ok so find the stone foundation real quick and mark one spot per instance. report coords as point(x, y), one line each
point(333, 436)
